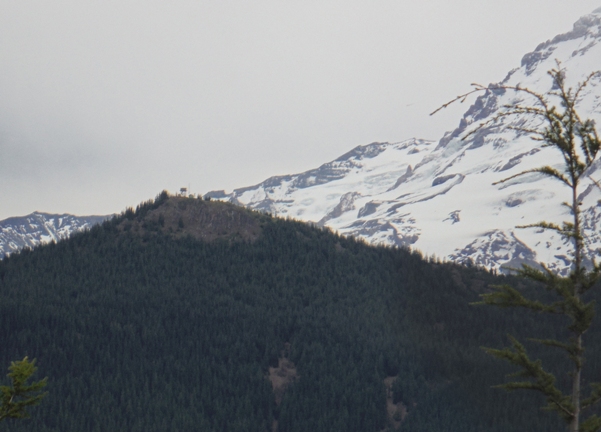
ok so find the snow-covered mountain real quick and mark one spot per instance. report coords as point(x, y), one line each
point(438, 197)
point(31, 230)
point(434, 196)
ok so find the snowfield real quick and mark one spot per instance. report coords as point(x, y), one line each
point(440, 197)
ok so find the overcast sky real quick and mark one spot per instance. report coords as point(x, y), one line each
point(104, 104)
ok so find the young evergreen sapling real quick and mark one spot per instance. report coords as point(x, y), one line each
point(15, 399)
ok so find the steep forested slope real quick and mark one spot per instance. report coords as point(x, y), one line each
point(172, 317)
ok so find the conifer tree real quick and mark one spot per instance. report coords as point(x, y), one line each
point(15, 399)
point(578, 142)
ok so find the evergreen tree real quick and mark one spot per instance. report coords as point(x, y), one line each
point(20, 395)
point(577, 140)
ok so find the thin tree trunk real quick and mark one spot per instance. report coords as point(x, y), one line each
point(578, 245)
point(575, 424)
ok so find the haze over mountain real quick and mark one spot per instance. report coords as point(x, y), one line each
point(223, 95)
point(437, 196)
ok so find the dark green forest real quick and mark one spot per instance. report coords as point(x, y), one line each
point(170, 316)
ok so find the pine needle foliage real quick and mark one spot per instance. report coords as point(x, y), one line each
point(15, 399)
point(557, 125)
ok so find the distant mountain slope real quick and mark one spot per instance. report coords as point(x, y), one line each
point(36, 228)
point(438, 197)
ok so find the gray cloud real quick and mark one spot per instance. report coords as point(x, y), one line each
point(103, 104)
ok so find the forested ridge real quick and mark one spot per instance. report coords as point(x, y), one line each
point(169, 317)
